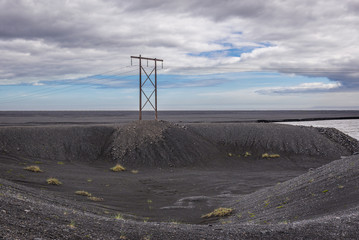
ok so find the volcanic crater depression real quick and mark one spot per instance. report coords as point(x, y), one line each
point(174, 173)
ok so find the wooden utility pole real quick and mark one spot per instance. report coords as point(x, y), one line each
point(142, 106)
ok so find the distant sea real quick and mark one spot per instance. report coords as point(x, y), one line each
point(304, 118)
point(350, 126)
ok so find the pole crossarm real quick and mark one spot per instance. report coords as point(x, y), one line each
point(141, 85)
point(145, 58)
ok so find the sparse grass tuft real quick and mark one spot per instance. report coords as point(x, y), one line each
point(118, 168)
point(83, 193)
point(118, 216)
point(225, 222)
point(175, 222)
point(230, 154)
point(266, 155)
point(33, 169)
point(53, 181)
point(38, 162)
point(247, 154)
point(252, 215)
point(134, 171)
point(72, 225)
point(324, 191)
point(60, 163)
point(95, 199)
point(148, 237)
point(219, 212)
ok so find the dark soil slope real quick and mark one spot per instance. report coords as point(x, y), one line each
point(164, 144)
point(320, 204)
point(161, 144)
point(294, 142)
point(330, 190)
point(27, 213)
point(72, 143)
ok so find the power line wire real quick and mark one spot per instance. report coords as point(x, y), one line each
point(49, 90)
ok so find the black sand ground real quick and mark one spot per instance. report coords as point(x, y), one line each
point(182, 172)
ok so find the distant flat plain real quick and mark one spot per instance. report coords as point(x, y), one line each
point(110, 117)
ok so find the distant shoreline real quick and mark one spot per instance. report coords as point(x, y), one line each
point(308, 119)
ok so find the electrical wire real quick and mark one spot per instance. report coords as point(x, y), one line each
point(95, 80)
point(68, 81)
point(75, 85)
point(279, 69)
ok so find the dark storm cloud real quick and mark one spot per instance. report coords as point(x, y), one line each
point(22, 19)
point(218, 10)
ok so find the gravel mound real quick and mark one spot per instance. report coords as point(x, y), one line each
point(161, 144)
point(330, 190)
point(341, 138)
point(320, 204)
point(301, 145)
point(60, 143)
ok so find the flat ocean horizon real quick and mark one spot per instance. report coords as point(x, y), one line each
point(346, 121)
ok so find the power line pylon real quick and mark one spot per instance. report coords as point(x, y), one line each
point(142, 106)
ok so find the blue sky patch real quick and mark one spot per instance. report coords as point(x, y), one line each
point(231, 51)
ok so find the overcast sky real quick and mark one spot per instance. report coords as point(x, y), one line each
point(218, 55)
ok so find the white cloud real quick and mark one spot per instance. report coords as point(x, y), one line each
point(302, 88)
point(43, 40)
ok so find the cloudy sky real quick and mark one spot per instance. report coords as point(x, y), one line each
point(218, 55)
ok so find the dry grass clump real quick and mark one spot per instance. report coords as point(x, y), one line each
point(83, 193)
point(134, 171)
point(95, 199)
point(89, 196)
point(266, 155)
point(72, 225)
point(247, 154)
point(219, 212)
point(118, 168)
point(53, 181)
point(33, 168)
